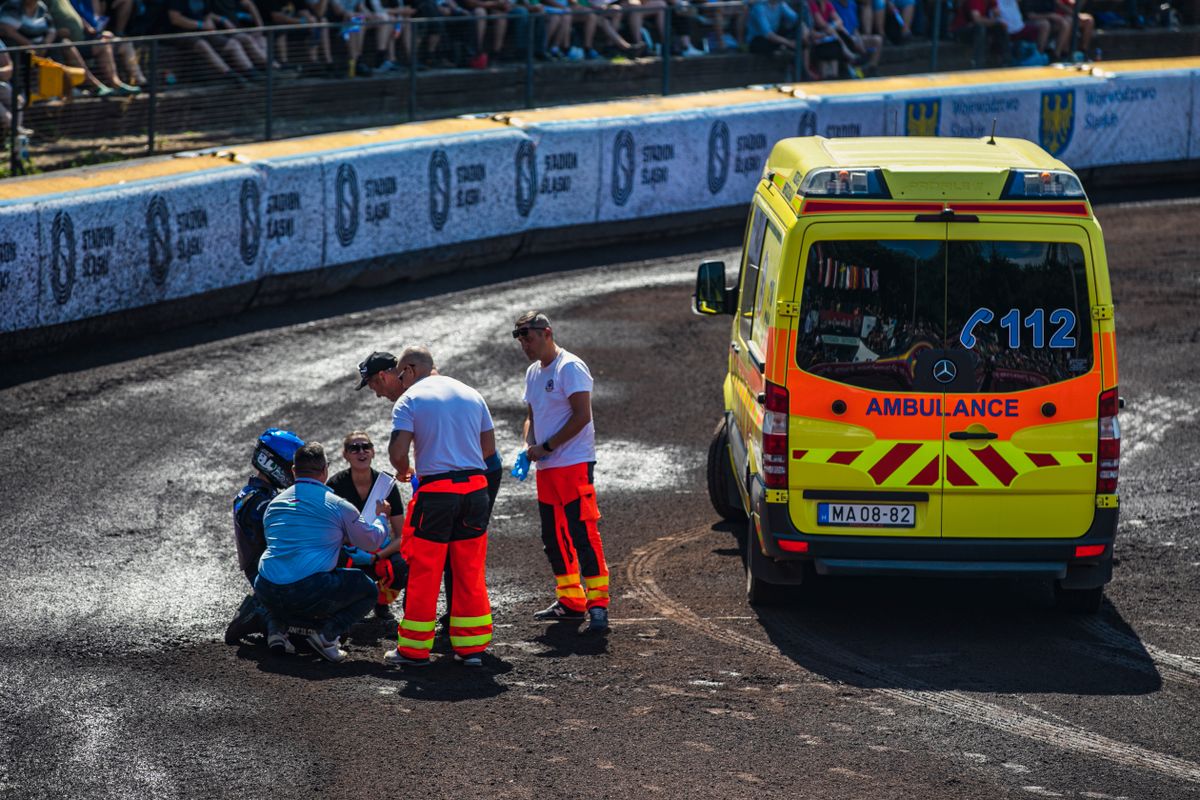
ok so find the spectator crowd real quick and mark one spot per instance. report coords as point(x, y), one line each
point(352, 38)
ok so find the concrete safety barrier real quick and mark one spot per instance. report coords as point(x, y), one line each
point(101, 242)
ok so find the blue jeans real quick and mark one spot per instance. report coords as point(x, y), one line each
point(329, 601)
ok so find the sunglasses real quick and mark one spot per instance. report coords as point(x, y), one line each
point(521, 333)
point(359, 447)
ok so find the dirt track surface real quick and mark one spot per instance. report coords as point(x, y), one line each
point(119, 577)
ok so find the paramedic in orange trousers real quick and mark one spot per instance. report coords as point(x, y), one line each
point(449, 426)
point(562, 443)
point(380, 371)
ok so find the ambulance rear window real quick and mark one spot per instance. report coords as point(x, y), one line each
point(1023, 309)
point(868, 308)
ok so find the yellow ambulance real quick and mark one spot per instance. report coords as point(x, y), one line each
point(922, 368)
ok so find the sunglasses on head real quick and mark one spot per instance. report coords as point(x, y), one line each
point(521, 333)
point(360, 447)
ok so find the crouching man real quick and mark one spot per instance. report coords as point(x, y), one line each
point(298, 579)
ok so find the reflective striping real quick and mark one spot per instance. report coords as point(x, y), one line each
point(799, 454)
point(570, 591)
point(844, 457)
point(599, 580)
point(927, 476)
point(996, 464)
point(1085, 458)
point(470, 622)
point(1042, 459)
point(956, 475)
point(469, 641)
point(892, 461)
point(414, 644)
point(571, 579)
point(597, 594)
point(415, 625)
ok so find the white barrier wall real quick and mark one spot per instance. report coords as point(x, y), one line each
point(69, 257)
point(20, 269)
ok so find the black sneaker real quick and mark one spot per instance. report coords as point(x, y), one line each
point(245, 622)
point(383, 613)
point(557, 611)
point(597, 624)
point(475, 660)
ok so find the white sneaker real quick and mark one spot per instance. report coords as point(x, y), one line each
point(398, 659)
point(691, 52)
point(474, 660)
point(279, 644)
point(328, 650)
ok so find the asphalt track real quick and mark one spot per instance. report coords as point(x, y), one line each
point(119, 576)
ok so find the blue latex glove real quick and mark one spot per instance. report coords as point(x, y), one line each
point(492, 463)
point(416, 484)
point(520, 469)
point(361, 558)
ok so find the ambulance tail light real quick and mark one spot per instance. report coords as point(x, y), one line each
point(775, 437)
point(1108, 456)
point(838, 182)
point(1042, 184)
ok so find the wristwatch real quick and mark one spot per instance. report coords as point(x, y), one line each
point(546, 446)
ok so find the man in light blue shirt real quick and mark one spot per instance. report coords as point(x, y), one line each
point(298, 579)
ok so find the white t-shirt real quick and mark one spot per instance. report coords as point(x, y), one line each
point(546, 392)
point(445, 417)
point(1010, 15)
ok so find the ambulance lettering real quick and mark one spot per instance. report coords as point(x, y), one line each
point(932, 407)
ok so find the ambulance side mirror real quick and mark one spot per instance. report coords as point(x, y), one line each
point(712, 296)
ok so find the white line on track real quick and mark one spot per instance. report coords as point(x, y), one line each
point(640, 572)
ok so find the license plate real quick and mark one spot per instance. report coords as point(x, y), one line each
point(866, 515)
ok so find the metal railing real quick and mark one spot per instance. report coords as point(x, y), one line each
point(187, 103)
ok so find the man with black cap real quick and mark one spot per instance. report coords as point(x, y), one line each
point(382, 372)
point(450, 427)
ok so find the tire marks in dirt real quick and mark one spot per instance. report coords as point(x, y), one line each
point(842, 665)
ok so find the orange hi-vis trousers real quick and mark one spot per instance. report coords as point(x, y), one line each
point(567, 504)
point(449, 518)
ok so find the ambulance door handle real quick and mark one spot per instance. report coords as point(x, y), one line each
point(971, 435)
point(735, 347)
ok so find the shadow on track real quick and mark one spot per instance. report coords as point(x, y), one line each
point(997, 636)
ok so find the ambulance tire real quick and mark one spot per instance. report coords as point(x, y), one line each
point(758, 591)
point(721, 491)
point(1079, 601)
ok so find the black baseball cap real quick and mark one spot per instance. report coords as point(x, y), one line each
point(374, 364)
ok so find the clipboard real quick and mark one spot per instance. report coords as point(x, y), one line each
point(381, 489)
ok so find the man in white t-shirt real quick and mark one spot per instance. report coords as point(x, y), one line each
point(449, 426)
point(562, 443)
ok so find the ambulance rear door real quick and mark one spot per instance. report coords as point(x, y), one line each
point(1021, 425)
point(865, 437)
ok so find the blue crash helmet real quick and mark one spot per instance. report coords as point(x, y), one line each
point(273, 454)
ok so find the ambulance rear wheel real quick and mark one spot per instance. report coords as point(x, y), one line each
point(720, 476)
point(758, 591)
point(1079, 601)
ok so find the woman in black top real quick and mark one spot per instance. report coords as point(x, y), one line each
point(354, 485)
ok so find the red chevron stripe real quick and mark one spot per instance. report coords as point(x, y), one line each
point(844, 457)
point(927, 476)
point(996, 464)
point(956, 475)
point(1043, 459)
point(892, 461)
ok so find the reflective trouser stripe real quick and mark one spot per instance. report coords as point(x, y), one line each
point(469, 597)
point(414, 638)
point(462, 643)
point(572, 543)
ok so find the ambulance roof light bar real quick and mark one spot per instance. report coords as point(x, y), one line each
point(1042, 184)
point(859, 182)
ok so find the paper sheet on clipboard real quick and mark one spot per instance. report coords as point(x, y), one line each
point(383, 485)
